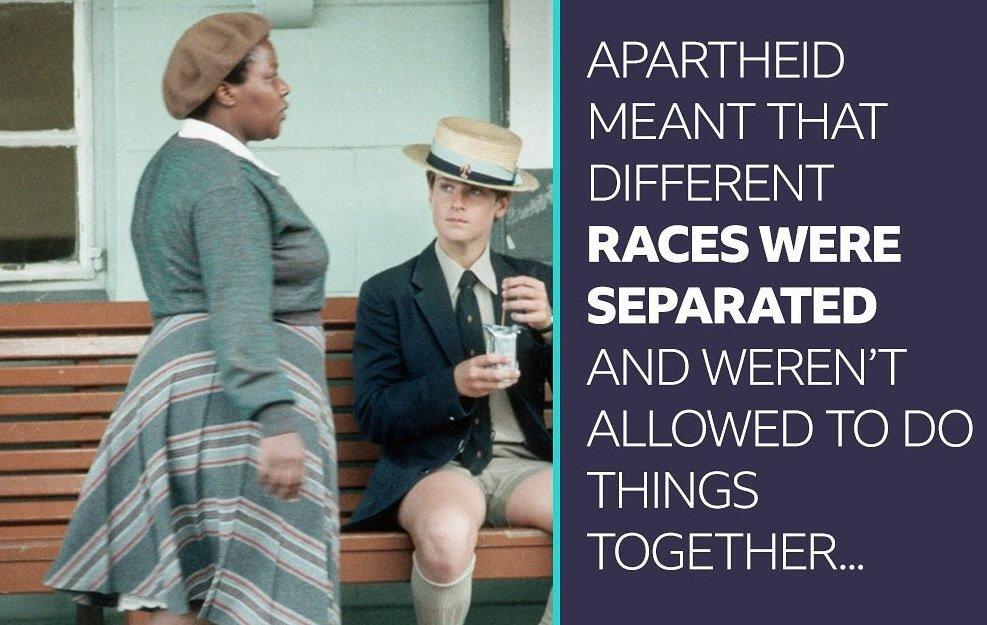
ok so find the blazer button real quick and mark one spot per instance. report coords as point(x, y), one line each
point(476, 421)
point(452, 418)
point(479, 454)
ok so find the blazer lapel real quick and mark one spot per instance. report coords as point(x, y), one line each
point(434, 302)
point(501, 270)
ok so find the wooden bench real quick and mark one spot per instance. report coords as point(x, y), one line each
point(63, 367)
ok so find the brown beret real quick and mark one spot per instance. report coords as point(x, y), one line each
point(205, 54)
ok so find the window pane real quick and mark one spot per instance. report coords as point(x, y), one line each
point(36, 79)
point(37, 204)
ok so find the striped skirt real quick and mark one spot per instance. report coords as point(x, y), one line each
point(172, 513)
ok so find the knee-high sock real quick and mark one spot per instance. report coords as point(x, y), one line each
point(441, 604)
point(546, 618)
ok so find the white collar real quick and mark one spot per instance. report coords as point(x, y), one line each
point(198, 129)
point(452, 271)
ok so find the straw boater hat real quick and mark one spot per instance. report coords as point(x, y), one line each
point(205, 54)
point(475, 152)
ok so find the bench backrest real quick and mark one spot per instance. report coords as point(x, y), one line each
point(63, 366)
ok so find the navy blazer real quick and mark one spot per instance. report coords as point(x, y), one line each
point(404, 351)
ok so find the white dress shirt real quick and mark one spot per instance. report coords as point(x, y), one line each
point(503, 420)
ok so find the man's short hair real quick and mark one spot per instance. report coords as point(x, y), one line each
point(498, 193)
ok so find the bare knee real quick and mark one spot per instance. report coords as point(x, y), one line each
point(445, 540)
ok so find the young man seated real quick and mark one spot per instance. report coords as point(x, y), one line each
point(464, 441)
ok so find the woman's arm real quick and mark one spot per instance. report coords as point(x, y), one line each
point(232, 232)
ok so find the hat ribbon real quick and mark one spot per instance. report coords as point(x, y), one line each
point(461, 166)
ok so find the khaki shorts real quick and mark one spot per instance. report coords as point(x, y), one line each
point(511, 465)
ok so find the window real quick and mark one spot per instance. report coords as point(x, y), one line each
point(46, 177)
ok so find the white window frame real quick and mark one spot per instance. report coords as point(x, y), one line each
point(89, 261)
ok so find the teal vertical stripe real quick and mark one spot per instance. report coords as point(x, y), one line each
point(557, 313)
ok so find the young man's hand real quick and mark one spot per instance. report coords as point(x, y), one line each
point(475, 377)
point(527, 301)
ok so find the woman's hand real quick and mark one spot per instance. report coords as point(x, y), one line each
point(282, 465)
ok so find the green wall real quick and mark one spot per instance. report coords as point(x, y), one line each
point(367, 77)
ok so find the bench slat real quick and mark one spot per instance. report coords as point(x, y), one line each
point(40, 485)
point(77, 317)
point(32, 512)
point(339, 341)
point(42, 531)
point(489, 538)
point(69, 484)
point(102, 402)
point(120, 346)
point(23, 577)
point(345, 423)
point(58, 403)
point(339, 368)
point(73, 375)
point(74, 316)
point(341, 395)
point(91, 430)
point(39, 348)
point(54, 510)
point(354, 477)
point(82, 430)
point(23, 460)
point(349, 500)
point(112, 375)
point(61, 510)
point(357, 451)
point(500, 554)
